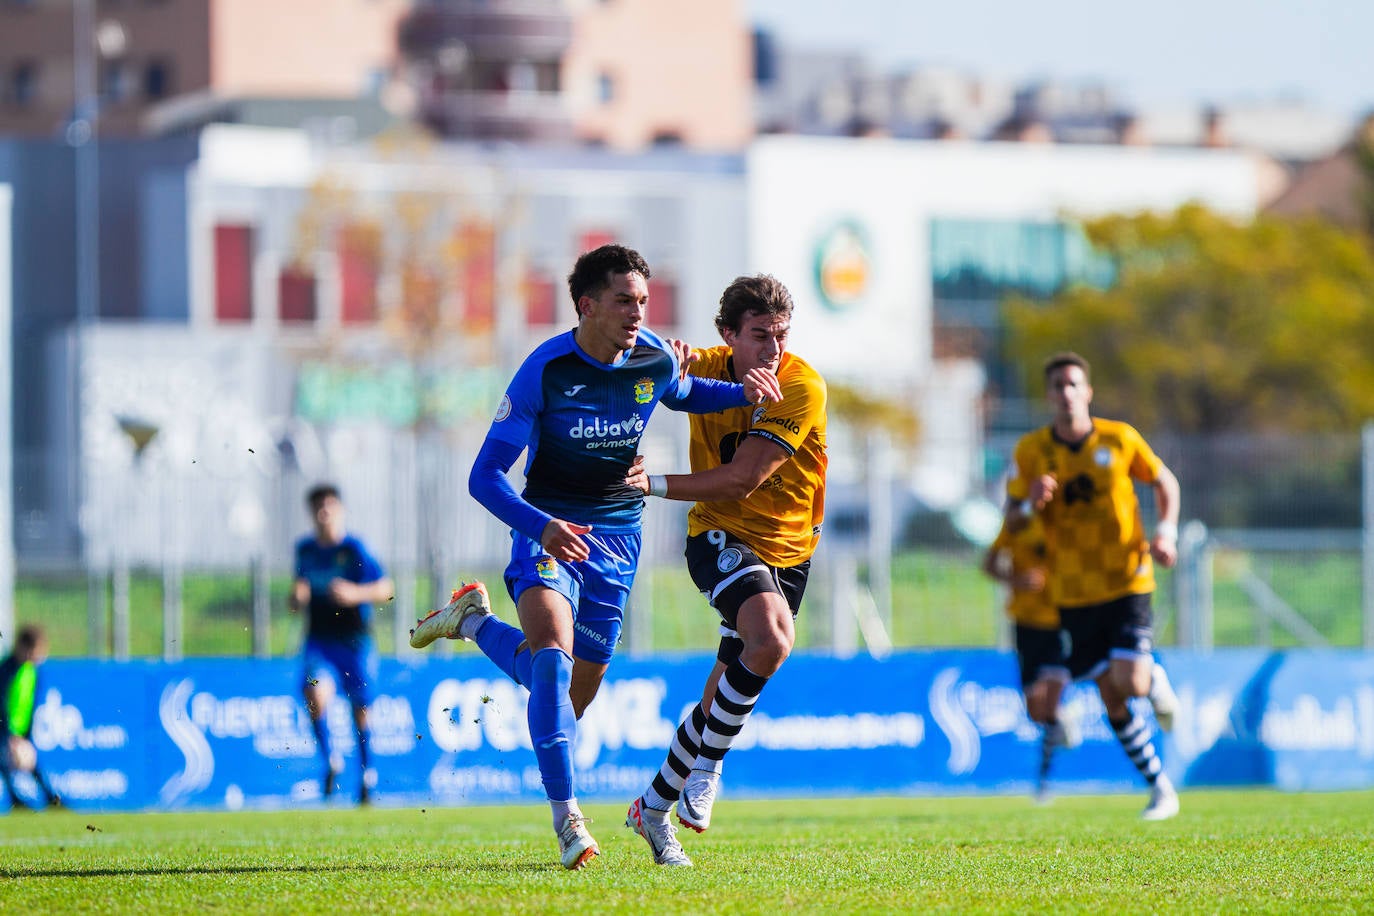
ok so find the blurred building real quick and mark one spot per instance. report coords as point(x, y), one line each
point(625, 75)
point(1338, 188)
point(200, 53)
point(489, 71)
point(644, 72)
point(839, 93)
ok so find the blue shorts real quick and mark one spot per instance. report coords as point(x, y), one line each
point(598, 588)
point(353, 666)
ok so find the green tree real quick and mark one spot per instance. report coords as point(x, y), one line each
point(1215, 324)
point(1364, 162)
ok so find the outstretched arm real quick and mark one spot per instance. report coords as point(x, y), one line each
point(352, 594)
point(697, 394)
point(755, 461)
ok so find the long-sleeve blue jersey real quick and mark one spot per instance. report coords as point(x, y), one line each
point(580, 420)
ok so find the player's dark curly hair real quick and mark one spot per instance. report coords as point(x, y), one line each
point(761, 294)
point(593, 271)
point(319, 493)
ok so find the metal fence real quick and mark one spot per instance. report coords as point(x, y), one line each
point(890, 580)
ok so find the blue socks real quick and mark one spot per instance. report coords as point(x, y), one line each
point(553, 726)
point(364, 747)
point(321, 728)
point(499, 641)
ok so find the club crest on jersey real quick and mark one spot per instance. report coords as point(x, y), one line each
point(1102, 457)
point(644, 391)
point(729, 558)
point(546, 568)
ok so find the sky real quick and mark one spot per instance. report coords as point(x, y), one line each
point(1157, 54)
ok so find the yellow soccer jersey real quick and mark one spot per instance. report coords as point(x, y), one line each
point(781, 520)
point(1026, 549)
point(1095, 538)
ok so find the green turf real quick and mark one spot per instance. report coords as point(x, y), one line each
point(1228, 852)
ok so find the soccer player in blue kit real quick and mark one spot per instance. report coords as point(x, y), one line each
point(337, 581)
point(578, 406)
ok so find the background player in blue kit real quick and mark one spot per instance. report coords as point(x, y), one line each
point(578, 406)
point(338, 580)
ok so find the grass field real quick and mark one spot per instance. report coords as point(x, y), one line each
point(1228, 852)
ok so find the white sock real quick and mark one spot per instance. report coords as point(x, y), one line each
point(561, 810)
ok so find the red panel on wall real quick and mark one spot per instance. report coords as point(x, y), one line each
point(476, 249)
point(296, 295)
point(233, 273)
point(359, 270)
point(541, 299)
point(662, 302)
point(594, 238)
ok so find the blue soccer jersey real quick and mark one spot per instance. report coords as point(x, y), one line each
point(320, 564)
point(580, 421)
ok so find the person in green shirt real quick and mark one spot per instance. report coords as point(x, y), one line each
point(18, 693)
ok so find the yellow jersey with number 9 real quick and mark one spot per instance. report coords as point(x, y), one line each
point(781, 520)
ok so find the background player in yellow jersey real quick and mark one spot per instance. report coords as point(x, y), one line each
point(758, 480)
point(1016, 558)
point(1078, 474)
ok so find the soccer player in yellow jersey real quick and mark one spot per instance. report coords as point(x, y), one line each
point(1078, 475)
point(758, 481)
point(1016, 558)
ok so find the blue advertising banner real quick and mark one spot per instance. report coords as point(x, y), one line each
point(451, 731)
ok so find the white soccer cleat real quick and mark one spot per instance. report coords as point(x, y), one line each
point(447, 622)
point(1163, 801)
point(697, 798)
point(575, 845)
point(658, 832)
point(1163, 698)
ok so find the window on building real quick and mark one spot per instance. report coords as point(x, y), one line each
point(765, 58)
point(23, 83)
point(233, 273)
point(157, 79)
point(488, 75)
point(115, 81)
point(547, 76)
